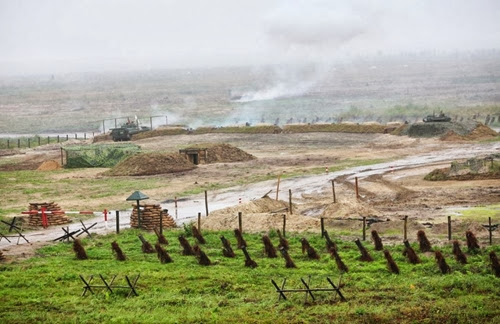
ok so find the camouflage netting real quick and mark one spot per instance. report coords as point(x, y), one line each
point(98, 155)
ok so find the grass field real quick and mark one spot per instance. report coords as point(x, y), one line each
point(47, 287)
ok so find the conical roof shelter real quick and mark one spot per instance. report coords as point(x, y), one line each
point(137, 195)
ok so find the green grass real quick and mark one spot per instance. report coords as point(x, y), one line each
point(481, 213)
point(47, 288)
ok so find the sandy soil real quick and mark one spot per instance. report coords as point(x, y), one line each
point(387, 191)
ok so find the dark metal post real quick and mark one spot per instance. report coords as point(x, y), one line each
point(58, 140)
point(290, 201)
point(117, 222)
point(364, 228)
point(85, 136)
point(161, 222)
point(18, 143)
point(151, 122)
point(76, 136)
point(67, 137)
point(48, 139)
point(240, 222)
point(62, 161)
point(8, 143)
point(206, 202)
point(449, 228)
point(29, 142)
point(322, 222)
point(199, 221)
point(38, 140)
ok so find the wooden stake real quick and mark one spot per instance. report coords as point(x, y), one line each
point(491, 230)
point(322, 222)
point(357, 190)
point(333, 189)
point(278, 186)
point(117, 222)
point(449, 228)
point(404, 228)
point(290, 201)
point(175, 202)
point(364, 228)
point(240, 222)
point(284, 225)
point(199, 221)
point(61, 156)
point(161, 222)
point(206, 203)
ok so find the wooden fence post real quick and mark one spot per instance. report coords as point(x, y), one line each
point(364, 228)
point(161, 222)
point(206, 203)
point(490, 230)
point(404, 229)
point(290, 201)
point(240, 222)
point(62, 160)
point(29, 142)
point(117, 221)
point(449, 228)
point(322, 222)
point(199, 221)
point(357, 190)
point(18, 143)
point(333, 189)
point(284, 225)
point(278, 186)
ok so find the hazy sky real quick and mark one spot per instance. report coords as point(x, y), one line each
point(51, 36)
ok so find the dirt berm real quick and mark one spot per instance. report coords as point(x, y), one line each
point(259, 215)
point(150, 164)
point(218, 153)
point(448, 130)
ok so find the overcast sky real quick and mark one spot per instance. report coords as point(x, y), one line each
point(51, 36)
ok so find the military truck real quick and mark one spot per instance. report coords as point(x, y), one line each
point(125, 132)
point(439, 118)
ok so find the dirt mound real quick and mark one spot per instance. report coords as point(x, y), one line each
point(340, 128)
point(349, 208)
point(478, 133)
point(217, 153)
point(257, 216)
point(150, 164)
point(49, 165)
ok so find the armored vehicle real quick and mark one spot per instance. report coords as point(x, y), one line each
point(439, 118)
point(125, 132)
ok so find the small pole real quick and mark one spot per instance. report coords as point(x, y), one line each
point(138, 215)
point(364, 228)
point(151, 122)
point(62, 157)
point(491, 230)
point(29, 142)
point(38, 140)
point(199, 221)
point(103, 127)
point(8, 143)
point(449, 228)
point(206, 202)
point(284, 225)
point(290, 201)
point(48, 139)
point(404, 228)
point(357, 190)
point(278, 186)
point(58, 140)
point(67, 228)
point(115, 123)
point(240, 222)
point(84, 136)
point(333, 189)
point(18, 143)
point(161, 220)
point(76, 136)
point(93, 135)
point(175, 202)
point(67, 137)
point(322, 222)
point(117, 222)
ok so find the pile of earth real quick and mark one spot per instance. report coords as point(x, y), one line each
point(151, 164)
point(447, 130)
point(472, 169)
point(217, 153)
point(261, 215)
point(49, 165)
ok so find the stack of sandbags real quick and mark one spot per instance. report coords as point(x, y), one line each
point(55, 215)
point(150, 217)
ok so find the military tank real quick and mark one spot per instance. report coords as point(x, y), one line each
point(126, 130)
point(441, 117)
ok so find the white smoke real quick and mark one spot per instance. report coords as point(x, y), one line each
point(314, 33)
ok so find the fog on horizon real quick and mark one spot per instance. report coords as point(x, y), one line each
point(58, 36)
